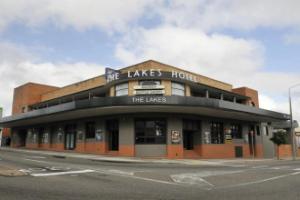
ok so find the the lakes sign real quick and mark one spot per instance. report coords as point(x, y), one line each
point(114, 75)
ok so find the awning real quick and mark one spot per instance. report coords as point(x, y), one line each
point(143, 104)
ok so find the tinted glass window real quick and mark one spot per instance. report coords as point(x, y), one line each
point(150, 131)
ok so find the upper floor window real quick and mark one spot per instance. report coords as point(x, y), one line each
point(122, 89)
point(149, 82)
point(178, 89)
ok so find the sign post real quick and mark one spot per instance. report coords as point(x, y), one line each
point(1, 112)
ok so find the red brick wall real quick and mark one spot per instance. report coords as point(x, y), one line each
point(28, 94)
point(6, 132)
point(175, 151)
point(215, 151)
point(285, 151)
point(253, 94)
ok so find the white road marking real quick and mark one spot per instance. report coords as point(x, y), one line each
point(262, 181)
point(40, 161)
point(297, 169)
point(191, 179)
point(36, 157)
point(63, 173)
point(260, 166)
point(129, 175)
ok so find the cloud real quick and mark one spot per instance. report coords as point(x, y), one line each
point(233, 60)
point(191, 47)
point(116, 15)
point(292, 38)
point(235, 14)
point(79, 14)
point(17, 68)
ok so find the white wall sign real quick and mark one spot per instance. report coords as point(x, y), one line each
point(148, 92)
point(142, 100)
point(113, 75)
point(148, 87)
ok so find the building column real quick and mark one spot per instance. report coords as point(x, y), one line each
point(174, 150)
point(206, 94)
point(126, 136)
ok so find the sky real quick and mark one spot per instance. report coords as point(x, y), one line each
point(245, 43)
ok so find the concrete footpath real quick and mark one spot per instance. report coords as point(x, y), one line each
point(214, 162)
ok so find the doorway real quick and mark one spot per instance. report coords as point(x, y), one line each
point(22, 136)
point(112, 128)
point(188, 143)
point(191, 133)
point(70, 137)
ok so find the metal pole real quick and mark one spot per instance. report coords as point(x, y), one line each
point(252, 143)
point(291, 126)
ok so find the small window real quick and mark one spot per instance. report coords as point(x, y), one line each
point(122, 89)
point(236, 131)
point(90, 130)
point(178, 89)
point(150, 82)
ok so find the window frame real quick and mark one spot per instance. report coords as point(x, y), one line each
point(239, 133)
point(175, 88)
point(122, 89)
point(147, 135)
point(217, 137)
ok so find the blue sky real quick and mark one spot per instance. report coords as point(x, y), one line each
point(254, 43)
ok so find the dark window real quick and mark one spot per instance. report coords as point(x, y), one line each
point(90, 130)
point(217, 133)
point(267, 130)
point(236, 131)
point(150, 82)
point(150, 131)
point(191, 125)
point(257, 130)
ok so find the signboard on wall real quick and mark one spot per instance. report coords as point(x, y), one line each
point(99, 135)
point(113, 75)
point(148, 92)
point(228, 136)
point(175, 137)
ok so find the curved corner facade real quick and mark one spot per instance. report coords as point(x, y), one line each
point(146, 110)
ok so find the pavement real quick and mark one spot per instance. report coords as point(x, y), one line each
point(117, 159)
point(48, 176)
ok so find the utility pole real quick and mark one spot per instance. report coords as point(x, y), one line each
point(292, 123)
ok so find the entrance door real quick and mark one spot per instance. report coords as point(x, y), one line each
point(191, 133)
point(22, 134)
point(41, 131)
point(112, 128)
point(70, 137)
point(188, 143)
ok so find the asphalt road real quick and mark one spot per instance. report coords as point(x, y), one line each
point(48, 177)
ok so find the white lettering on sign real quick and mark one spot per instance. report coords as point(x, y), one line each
point(149, 99)
point(112, 75)
point(144, 73)
point(183, 75)
point(147, 92)
point(148, 87)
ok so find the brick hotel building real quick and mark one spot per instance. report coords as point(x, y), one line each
point(146, 110)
